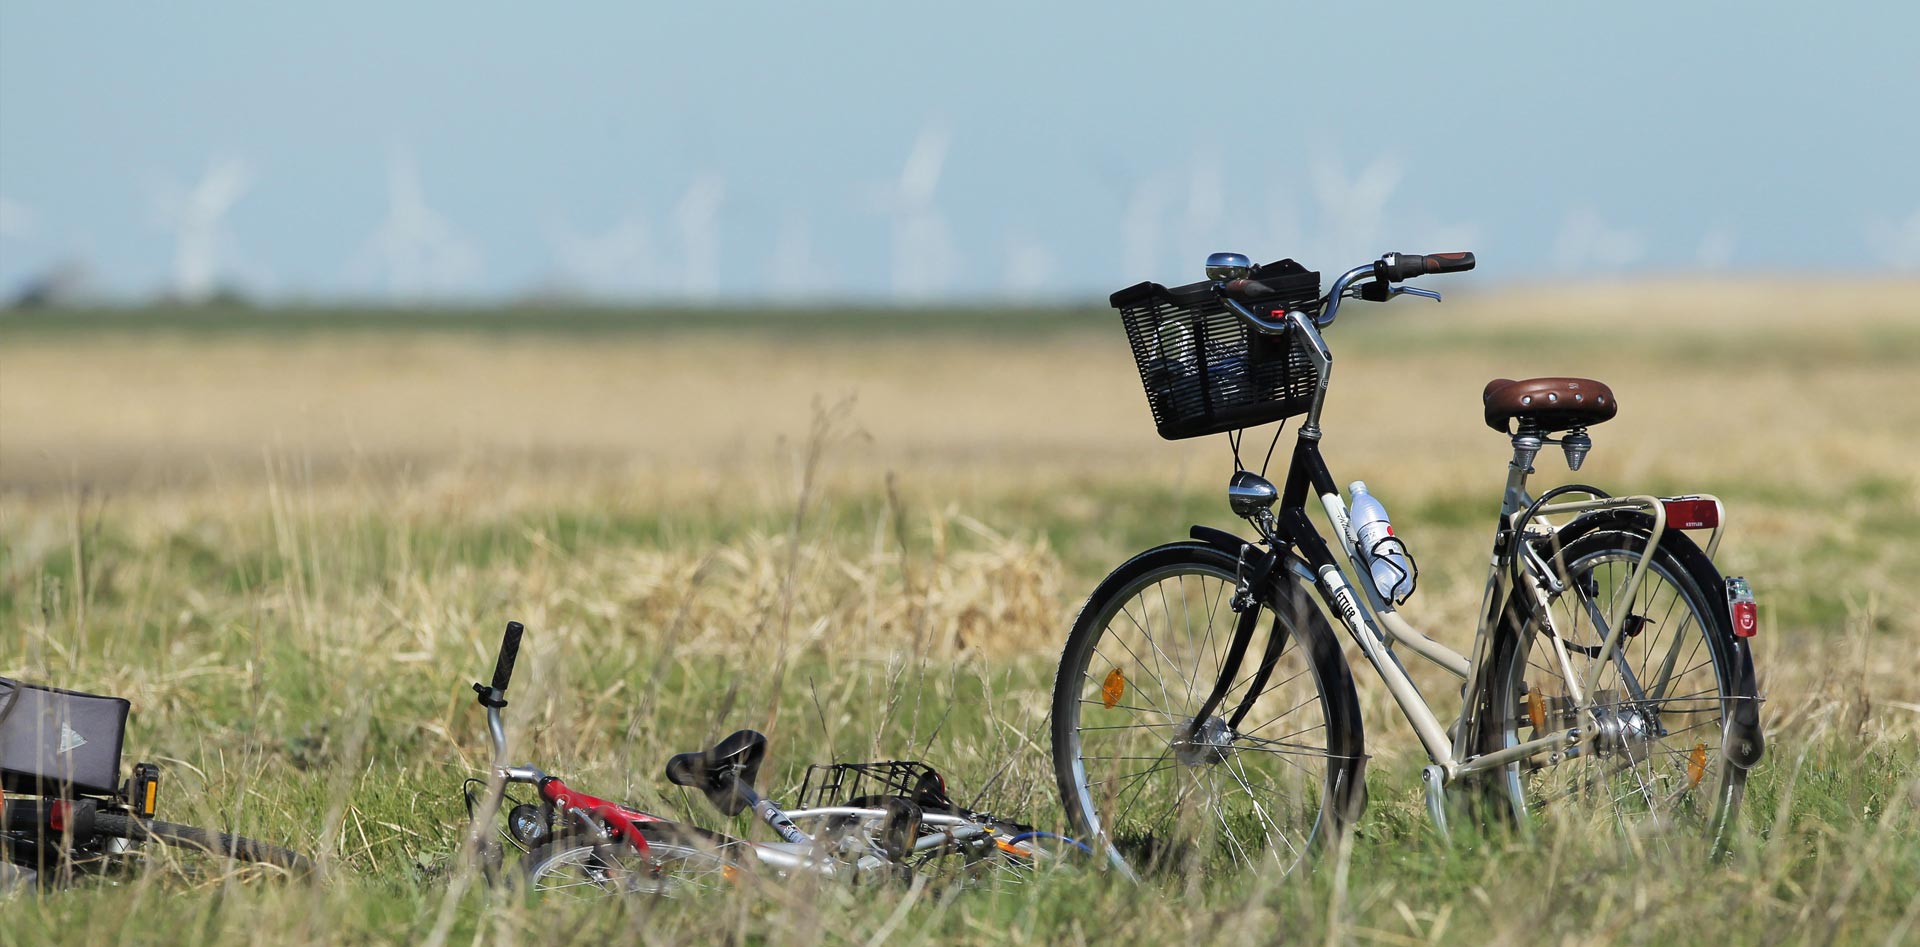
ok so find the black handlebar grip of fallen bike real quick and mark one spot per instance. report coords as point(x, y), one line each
point(509, 649)
point(1401, 266)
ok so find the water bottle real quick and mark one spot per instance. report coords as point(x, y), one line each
point(1392, 573)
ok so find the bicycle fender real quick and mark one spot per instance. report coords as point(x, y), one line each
point(1220, 539)
point(1232, 543)
point(1745, 743)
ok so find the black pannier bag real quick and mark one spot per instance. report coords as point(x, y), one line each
point(1204, 369)
point(57, 742)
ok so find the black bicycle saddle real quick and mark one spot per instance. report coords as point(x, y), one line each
point(713, 770)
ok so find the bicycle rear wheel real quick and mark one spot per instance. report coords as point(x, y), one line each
point(1142, 657)
point(1658, 762)
point(680, 862)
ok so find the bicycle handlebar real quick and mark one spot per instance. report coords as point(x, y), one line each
point(1390, 268)
point(495, 697)
point(509, 651)
point(1401, 266)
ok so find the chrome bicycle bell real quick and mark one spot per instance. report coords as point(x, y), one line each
point(1224, 267)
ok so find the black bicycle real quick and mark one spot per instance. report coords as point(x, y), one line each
point(1204, 710)
point(64, 811)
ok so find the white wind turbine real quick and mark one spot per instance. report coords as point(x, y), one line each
point(1202, 230)
point(196, 218)
point(795, 273)
point(1352, 211)
point(923, 257)
point(617, 262)
point(697, 215)
point(16, 219)
point(1587, 242)
point(416, 251)
point(1896, 242)
point(1140, 226)
point(1030, 269)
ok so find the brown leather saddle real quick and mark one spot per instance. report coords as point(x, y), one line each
point(1550, 404)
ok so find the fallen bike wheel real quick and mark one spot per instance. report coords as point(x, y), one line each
point(1262, 780)
point(680, 862)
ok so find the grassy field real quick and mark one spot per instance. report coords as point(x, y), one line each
point(291, 538)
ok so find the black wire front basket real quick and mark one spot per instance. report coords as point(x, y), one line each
point(863, 784)
point(1205, 370)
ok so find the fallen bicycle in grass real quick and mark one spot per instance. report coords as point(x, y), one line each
point(858, 821)
point(65, 812)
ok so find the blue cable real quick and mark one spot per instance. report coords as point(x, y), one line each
point(1027, 835)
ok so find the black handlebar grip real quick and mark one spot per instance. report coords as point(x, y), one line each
point(1458, 261)
point(1253, 290)
point(509, 649)
point(1401, 266)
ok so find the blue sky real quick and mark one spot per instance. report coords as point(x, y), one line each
point(980, 150)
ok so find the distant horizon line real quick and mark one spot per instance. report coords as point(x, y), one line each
point(237, 298)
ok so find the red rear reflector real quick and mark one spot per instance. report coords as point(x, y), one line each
point(1691, 513)
point(57, 816)
point(1741, 607)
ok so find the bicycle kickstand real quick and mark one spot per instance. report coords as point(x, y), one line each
point(1436, 782)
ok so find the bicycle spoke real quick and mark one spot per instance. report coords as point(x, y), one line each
point(1128, 707)
point(1240, 776)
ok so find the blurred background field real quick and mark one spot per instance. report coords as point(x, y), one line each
point(290, 537)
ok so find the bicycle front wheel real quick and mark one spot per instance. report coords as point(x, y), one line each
point(680, 862)
point(1259, 782)
point(1656, 760)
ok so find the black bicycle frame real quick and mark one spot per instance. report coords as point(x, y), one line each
point(1292, 533)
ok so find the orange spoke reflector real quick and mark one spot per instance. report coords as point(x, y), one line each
point(1696, 765)
point(1114, 688)
point(1536, 710)
point(730, 873)
point(1012, 849)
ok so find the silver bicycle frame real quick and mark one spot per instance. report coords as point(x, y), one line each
point(805, 853)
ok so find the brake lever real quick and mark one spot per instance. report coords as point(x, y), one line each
point(1380, 292)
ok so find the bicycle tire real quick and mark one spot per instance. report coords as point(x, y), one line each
point(204, 841)
point(1207, 574)
point(585, 868)
point(1687, 765)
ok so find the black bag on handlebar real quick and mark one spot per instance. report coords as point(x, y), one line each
point(60, 743)
point(1206, 371)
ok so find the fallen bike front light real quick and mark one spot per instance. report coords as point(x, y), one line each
point(527, 823)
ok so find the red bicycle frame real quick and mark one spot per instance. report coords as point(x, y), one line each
point(622, 820)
